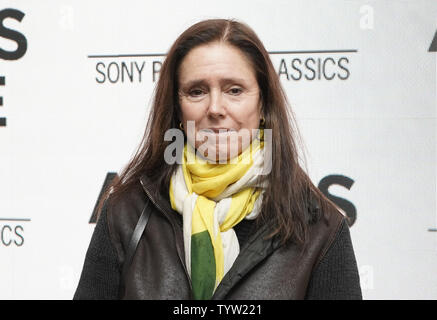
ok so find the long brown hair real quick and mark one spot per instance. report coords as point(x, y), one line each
point(285, 201)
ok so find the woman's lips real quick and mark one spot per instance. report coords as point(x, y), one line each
point(218, 130)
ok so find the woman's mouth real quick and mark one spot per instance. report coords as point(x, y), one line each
point(218, 130)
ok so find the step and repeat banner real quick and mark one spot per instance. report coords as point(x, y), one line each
point(76, 83)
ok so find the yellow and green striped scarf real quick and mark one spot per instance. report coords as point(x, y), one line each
point(213, 198)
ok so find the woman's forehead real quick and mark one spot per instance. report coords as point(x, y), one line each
point(217, 61)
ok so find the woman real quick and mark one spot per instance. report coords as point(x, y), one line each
point(235, 216)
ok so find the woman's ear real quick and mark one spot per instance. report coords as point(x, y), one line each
point(261, 103)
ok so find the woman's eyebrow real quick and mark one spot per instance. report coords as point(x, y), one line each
point(201, 82)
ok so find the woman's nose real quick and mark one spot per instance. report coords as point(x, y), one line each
point(216, 107)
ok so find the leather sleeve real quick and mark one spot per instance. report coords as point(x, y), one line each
point(101, 272)
point(336, 276)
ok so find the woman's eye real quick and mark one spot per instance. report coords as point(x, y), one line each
point(235, 91)
point(196, 93)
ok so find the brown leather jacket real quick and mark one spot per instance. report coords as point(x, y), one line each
point(263, 270)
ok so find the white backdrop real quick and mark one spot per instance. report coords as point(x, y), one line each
point(360, 76)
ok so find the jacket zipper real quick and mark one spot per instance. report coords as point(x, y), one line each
point(174, 232)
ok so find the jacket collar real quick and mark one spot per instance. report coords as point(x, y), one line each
point(158, 199)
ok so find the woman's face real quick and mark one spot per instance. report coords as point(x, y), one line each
point(219, 94)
